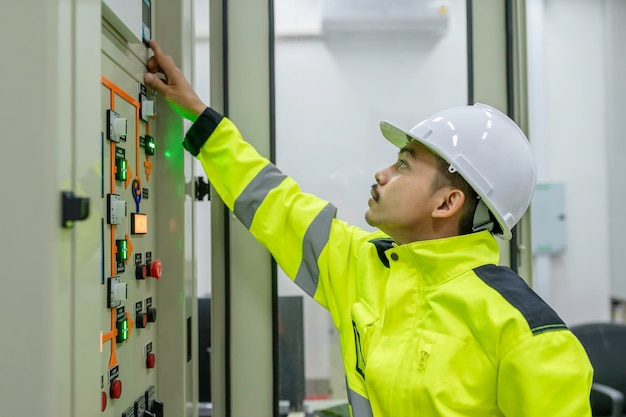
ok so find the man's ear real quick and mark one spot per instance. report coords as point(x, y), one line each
point(450, 203)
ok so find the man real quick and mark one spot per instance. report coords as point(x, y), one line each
point(429, 324)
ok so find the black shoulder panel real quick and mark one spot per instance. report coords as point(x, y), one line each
point(539, 315)
point(381, 246)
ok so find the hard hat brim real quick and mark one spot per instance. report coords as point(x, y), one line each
point(395, 135)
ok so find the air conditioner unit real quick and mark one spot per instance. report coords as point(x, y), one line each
point(425, 18)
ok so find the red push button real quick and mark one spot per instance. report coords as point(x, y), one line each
point(150, 360)
point(141, 272)
point(141, 320)
point(156, 269)
point(116, 389)
point(104, 400)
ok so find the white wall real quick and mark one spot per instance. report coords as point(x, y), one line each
point(616, 145)
point(568, 129)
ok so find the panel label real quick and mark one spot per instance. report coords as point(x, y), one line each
point(114, 373)
point(120, 313)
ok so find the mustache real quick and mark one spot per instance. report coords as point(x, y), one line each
point(375, 192)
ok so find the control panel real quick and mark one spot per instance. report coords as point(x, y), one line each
point(131, 266)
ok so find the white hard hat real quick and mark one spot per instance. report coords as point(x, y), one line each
point(487, 148)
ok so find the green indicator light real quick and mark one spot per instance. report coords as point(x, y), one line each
point(120, 164)
point(122, 249)
point(122, 331)
point(150, 145)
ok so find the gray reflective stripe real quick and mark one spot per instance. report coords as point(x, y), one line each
point(251, 198)
point(360, 405)
point(315, 239)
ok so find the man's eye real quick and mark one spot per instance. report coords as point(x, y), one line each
point(402, 163)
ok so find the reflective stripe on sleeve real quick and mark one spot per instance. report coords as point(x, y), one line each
point(251, 198)
point(315, 239)
point(360, 405)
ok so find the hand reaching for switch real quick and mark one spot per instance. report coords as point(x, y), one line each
point(175, 88)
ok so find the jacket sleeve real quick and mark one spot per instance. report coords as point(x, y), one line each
point(294, 226)
point(547, 375)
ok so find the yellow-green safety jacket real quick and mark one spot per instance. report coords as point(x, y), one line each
point(431, 328)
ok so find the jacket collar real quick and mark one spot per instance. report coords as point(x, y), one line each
point(440, 260)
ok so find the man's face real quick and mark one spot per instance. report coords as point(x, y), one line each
point(402, 200)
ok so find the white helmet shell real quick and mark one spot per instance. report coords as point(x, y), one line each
point(487, 149)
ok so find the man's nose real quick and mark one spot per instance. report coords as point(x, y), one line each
point(380, 177)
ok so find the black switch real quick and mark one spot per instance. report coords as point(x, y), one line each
point(158, 408)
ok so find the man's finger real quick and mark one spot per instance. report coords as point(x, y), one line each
point(155, 82)
point(165, 62)
point(153, 65)
point(155, 47)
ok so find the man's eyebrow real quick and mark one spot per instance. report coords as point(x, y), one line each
point(409, 150)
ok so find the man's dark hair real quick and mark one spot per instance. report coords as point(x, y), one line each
point(455, 180)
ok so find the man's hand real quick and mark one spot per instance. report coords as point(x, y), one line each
point(175, 88)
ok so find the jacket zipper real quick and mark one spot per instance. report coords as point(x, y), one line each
point(424, 357)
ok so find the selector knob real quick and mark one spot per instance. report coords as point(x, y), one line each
point(116, 389)
point(152, 313)
point(141, 320)
point(156, 269)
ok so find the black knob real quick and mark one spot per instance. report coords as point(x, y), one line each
point(152, 313)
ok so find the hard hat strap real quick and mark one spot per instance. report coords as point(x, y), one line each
point(482, 220)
